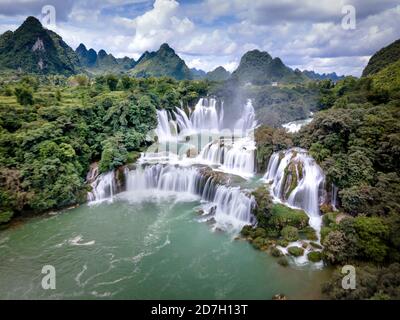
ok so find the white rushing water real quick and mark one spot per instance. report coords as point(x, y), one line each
point(235, 156)
point(183, 122)
point(295, 126)
point(228, 150)
point(228, 206)
point(103, 188)
point(248, 119)
point(166, 129)
point(171, 169)
point(205, 116)
point(297, 180)
point(174, 125)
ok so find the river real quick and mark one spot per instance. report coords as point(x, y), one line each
point(171, 235)
point(142, 250)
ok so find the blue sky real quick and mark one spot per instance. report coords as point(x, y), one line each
point(305, 34)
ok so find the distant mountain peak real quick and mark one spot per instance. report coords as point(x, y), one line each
point(34, 49)
point(165, 46)
point(164, 62)
point(258, 67)
point(324, 76)
point(257, 53)
point(166, 50)
point(102, 54)
point(81, 47)
point(102, 62)
point(220, 68)
point(31, 22)
point(218, 74)
point(198, 73)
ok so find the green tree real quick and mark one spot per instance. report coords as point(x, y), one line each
point(114, 153)
point(24, 95)
point(372, 233)
point(112, 82)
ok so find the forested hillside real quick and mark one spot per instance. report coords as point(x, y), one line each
point(52, 128)
point(356, 140)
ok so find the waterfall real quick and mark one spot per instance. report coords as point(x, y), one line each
point(171, 167)
point(297, 180)
point(204, 118)
point(166, 130)
point(205, 115)
point(183, 122)
point(295, 126)
point(163, 178)
point(103, 187)
point(233, 208)
point(234, 156)
point(229, 206)
point(247, 120)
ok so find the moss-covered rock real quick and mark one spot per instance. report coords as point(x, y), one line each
point(325, 208)
point(290, 233)
point(272, 233)
point(5, 216)
point(315, 245)
point(329, 218)
point(309, 233)
point(260, 243)
point(216, 176)
point(290, 179)
point(275, 252)
point(268, 140)
point(282, 216)
point(314, 256)
point(283, 261)
point(133, 156)
point(296, 251)
point(246, 231)
point(282, 243)
point(260, 232)
point(263, 205)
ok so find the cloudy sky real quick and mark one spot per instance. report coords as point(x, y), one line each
point(305, 34)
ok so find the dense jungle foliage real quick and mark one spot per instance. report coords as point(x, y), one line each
point(356, 140)
point(52, 128)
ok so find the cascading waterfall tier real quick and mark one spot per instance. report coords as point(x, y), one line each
point(205, 116)
point(166, 129)
point(104, 187)
point(230, 150)
point(248, 119)
point(229, 206)
point(295, 126)
point(297, 180)
point(174, 124)
point(234, 156)
point(162, 172)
